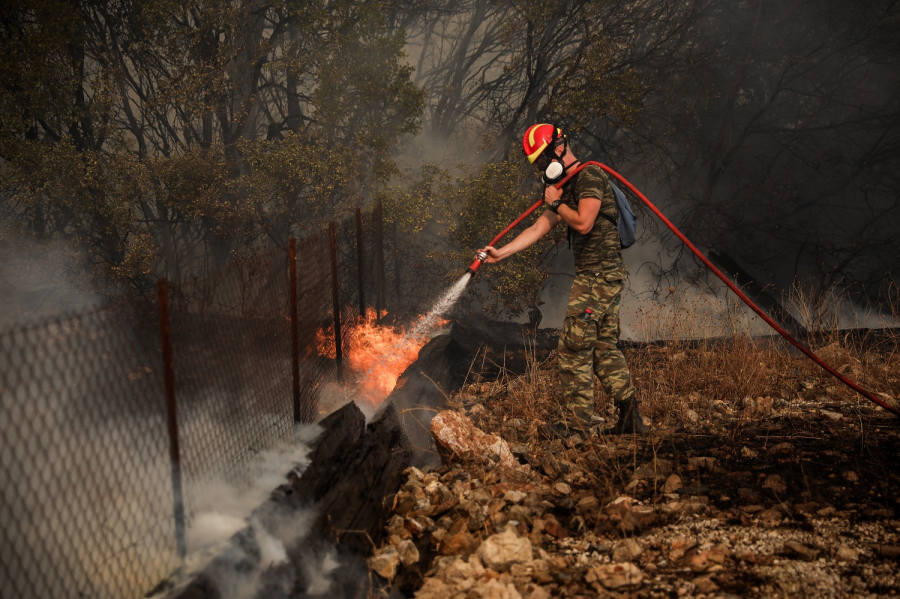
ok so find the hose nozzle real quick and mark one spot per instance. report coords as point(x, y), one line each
point(480, 257)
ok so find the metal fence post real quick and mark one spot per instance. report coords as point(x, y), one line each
point(397, 268)
point(379, 257)
point(162, 293)
point(336, 300)
point(295, 332)
point(359, 262)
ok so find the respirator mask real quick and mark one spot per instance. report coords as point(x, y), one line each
point(552, 165)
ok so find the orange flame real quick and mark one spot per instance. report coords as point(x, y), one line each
point(377, 354)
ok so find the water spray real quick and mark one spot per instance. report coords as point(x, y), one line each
point(481, 256)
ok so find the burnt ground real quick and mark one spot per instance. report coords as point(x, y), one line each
point(796, 495)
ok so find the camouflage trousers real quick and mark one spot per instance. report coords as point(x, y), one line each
point(587, 348)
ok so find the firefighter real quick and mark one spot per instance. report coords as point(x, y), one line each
point(587, 343)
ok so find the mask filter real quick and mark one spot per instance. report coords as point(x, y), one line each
point(554, 173)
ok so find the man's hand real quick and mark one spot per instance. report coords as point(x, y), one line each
point(493, 255)
point(551, 194)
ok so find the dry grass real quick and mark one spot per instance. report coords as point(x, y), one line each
point(732, 375)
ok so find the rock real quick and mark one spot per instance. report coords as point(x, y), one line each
point(538, 593)
point(408, 552)
point(626, 550)
point(691, 416)
point(770, 515)
point(749, 453)
point(461, 543)
point(846, 554)
point(775, 484)
point(514, 496)
point(500, 551)
point(385, 561)
point(701, 463)
point(615, 576)
point(826, 512)
point(643, 472)
point(456, 434)
point(589, 503)
point(679, 547)
point(833, 416)
point(705, 584)
point(554, 528)
point(562, 488)
point(496, 589)
point(672, 484)
point(800, 551)
point(850, 476)
point(460, 570)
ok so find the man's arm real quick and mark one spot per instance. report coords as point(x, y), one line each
point(525, 239)
point(582, 220)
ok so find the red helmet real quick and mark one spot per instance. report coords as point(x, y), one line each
point(537, 138)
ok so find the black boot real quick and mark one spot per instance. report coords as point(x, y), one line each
point(629, 419)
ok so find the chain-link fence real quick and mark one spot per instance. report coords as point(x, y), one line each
point(113, 419)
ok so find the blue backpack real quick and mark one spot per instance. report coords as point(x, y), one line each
point(627, 220)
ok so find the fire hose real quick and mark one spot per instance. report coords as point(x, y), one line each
point(473, 269)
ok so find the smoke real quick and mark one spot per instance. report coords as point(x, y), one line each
point(40, 279)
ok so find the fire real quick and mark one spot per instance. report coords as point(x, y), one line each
point(377, 354)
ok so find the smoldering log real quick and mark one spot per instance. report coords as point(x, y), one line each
point(347, 487)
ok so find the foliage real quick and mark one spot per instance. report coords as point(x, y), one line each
point(162, 137)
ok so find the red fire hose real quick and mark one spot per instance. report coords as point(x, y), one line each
point(868, 395)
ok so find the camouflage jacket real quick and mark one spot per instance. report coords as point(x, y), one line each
point(600, 249)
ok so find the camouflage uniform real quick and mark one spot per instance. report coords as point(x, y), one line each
point(588, 347)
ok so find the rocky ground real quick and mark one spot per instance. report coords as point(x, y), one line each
point(760, 497)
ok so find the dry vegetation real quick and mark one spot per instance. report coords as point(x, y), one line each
point(762, 476)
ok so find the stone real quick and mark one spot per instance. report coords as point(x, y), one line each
point(554, 528)
point(672, 484)
point(562, 488)
point(701, 463)
point(501, 550)
point(456, 434)
point(846, 554)
point(385, 561)
point(461, 543)
point(408, 552)
point(626, 550)
point(615, 576)
point(496, 589)
point(770, 515)
point(800, 551)
point(679, 547)
point(850, 476)
point(588, 503)
point(749, 453)
point(833, 416)
point(705, 584)
point(775, 484)
point(644, 472)
point(538, 593)
point(514, 496)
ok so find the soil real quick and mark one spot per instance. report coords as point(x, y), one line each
point(765, 497)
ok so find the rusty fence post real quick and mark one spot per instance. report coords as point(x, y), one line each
point(397, 266)
point(360, 256)
point(295, 331)
point(379, 259)
point(165, 326)
point(336, 301)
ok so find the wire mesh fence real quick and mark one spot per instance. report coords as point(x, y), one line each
point(106, 443)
